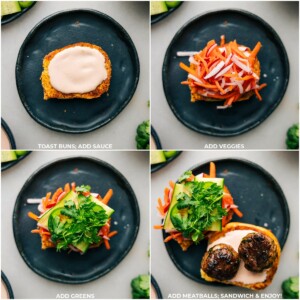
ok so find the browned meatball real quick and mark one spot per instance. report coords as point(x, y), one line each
point(221, 262)
point(258, 251)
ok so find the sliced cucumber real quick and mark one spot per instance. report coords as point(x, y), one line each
point(169, 154)
point(10, 7)
point(158, 7)
point(172, 4)
point(157, 156)
point(8, 155)
point(25, 4)
point(21, 152)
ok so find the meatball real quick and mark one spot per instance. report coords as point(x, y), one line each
point(258, 251)
point(221, 262)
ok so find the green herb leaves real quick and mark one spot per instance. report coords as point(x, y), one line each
point(185, 176)
point(71, 225)
point(198, 208)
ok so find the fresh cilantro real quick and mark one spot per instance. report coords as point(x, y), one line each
point(83, 188)
point(198, 209)
point(185, 176)
point(71, 225)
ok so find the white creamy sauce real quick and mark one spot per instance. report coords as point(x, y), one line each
point(5, 143)
point(152, 143)
point(4, 292)
point(77, 70)
point(153, 294)
point(234, 238)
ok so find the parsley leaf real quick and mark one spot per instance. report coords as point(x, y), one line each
point(83, 188)
point(185, 176)
point(198, 209)
point(69, 225)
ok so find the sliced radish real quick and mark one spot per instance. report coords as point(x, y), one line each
point(226, 69)
point(186, 53)
point(215, 70)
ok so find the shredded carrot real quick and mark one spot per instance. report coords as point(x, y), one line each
point(172, 184)
point(33, 216)
point(112, 233)
point(237, 212)
point(106, 243)
point(67, 188)
point(158, 226)
point(224, 71)
point(212, 170)
point(35, 231)
point(107, 196)
point(56, 194)
point(73, 186)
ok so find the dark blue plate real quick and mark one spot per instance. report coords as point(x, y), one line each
point(247, 29)
point(157, 167)
point(8, 286)
point(9, 18)
point(159, 17)
point(74, 268)
point(157, 290)
point(9, 134)
point(65, 28)
point(258, 196)
point(156, 138)
point(9, 164)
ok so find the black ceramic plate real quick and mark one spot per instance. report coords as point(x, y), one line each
point(156, 138)
point(75, 268)
point(156, 288)
point(157, 167)
point(9, 134)
point(258, 196)
point(8, 286)
point(204, 117)
point(9, 164)
point(12, 17)
point(157, 18)
point(65, 28)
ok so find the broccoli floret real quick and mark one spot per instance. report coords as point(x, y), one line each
point(292, 137)
point(141, 287)
point(143, 135)
point(290, 288)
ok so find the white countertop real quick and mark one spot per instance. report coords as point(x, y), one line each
point(283, 17)
point(134, 17)
point(116, 284)
point(284, 168)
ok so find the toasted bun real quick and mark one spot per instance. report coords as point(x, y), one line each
point(51, 92)
point(269, 272)
point(246, 96)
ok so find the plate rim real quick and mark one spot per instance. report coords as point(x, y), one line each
point(20, 55)
point(159, 166)
point(120, 258)
point(8, 285)
point(265, 173)
point(156, 287)
point(17, 15)
point(162, 16)
point(9, 134)
point(213, 12)
point(10, 164)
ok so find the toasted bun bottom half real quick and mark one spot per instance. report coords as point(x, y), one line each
point(269, 272)
point(246, 96)
point(51, 92)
